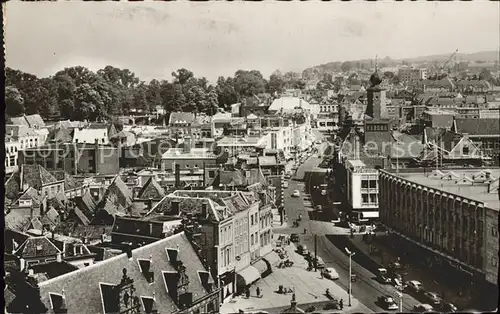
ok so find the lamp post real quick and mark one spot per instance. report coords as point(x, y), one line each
point(351, 254)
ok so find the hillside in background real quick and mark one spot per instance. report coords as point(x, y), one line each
point(483, 56)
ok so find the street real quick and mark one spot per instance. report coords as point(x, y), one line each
point(365, 289)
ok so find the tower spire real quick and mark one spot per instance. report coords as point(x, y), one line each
point(376, 62)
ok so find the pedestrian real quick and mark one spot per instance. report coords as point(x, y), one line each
point(258, 291)
point(341, 303)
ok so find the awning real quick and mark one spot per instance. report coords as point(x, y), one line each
point(373, 214)
point(248, 276)
point(272, 258)
point(262, 267)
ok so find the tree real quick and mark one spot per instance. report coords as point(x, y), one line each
point(249, 83)
point(389, 74)
point(275, 84)
point(182, 76)
point(14, 102)
point(226, 94)
point(346, 66)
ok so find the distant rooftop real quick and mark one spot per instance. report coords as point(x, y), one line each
point(462, 182)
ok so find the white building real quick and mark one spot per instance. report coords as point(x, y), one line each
point(17, 138)
point(411, 74)
point(362, 190)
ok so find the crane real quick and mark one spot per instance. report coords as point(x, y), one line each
point(443, 66)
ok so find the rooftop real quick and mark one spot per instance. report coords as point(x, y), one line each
point(462, 182)
point(194, 153)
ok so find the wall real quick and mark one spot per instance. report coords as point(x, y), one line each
point(253, 229)
point(169, 164)
point(225, 243)
point(491, 255)
point(242, 240)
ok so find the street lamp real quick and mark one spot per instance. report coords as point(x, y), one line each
point(351, 254)
point(400, 295)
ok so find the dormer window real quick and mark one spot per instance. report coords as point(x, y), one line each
point(145, 266)
point(58, 302)
point(149, 305)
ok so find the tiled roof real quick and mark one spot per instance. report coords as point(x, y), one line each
point(37, 247)
point(82, 290)
point(235, 203)
point(61, 135)
point(478, 126)
point(31, 194)
point(407, 146)
point(19, 131)
point(36, 176)
point(181, 117)
point(12, 186)
point(85, 207)
point(18, 219)
point(117, 199)
point(151, 190)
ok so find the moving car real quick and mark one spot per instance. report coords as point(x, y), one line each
point(448, 307)
point(382, 276)
point(330, 273)
point(294, 238)
point(414, 286)
point(432, 298)
point(387, 302)
point(319, 262)
point(421, 308)
point(296, 193)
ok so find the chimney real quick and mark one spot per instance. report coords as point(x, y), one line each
point(31, 272)
point(59, 257)
point(22, 264)
point(204, 210)
point(177, 175)
point(187, 145)
point(128, 250)
point(175, 207)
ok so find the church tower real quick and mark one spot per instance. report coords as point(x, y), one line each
point(376, 107)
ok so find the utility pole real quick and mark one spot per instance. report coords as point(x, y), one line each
point(351, 254)
point(315, 253)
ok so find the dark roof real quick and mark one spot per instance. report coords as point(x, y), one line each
point(33, 195)
point(117, 199)
point(37, 247)
point(82, 287)
point(18, 219)
point(151, 190)
point(12, 187)
point(36, 176)
point(34, 120)
point(61, 135)
point(53, 269)
point(478, 126)
point(85, 207)
point(70, 182)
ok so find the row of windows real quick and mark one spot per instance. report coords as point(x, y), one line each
point(265, 238)
point(226, 257)
point(369, 198)
point(253, 219)
point(254, 239)
point(372, 184)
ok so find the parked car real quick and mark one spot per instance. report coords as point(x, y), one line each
point(387, 302)
point(294, 238)
point(330, 273)
point(448, 307)
point(318, 261)
point(432, 298)
point(414, 286)
point(303, 250)
point(285, 184)
point(296, 193)
point(421, 308)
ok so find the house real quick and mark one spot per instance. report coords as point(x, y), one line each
point(288, 104)
point(484, 133)
point(117, 201)
point(86, 158)
point(182, 124)
point(91, 135)
point(163, 277)
point(229, 222)
point(123, 138)
point(12, 146)
point(188, 157)
point(33, 121)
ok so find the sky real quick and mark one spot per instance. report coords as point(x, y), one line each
point(213, 39)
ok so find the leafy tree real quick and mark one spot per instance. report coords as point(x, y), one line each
point(275, 84)
point(14, 101)
point(226, 93)
point(182, 76)
point(249, 83)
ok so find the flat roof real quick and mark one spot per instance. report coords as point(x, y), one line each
point(477, 191)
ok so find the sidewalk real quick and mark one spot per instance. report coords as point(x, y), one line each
point(308, 285)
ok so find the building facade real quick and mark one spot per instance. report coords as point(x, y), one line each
point(453, 213)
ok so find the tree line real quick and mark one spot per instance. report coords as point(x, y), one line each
point(79, 93)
